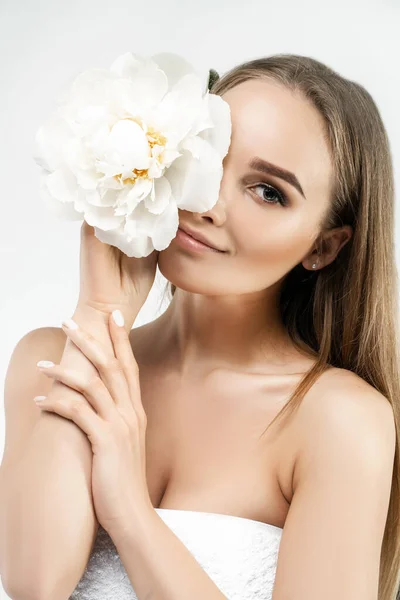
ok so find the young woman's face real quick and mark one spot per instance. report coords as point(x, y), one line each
point(263, 223)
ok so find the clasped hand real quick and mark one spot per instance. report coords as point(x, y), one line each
point(110, 412)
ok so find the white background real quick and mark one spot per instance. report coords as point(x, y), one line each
point(45, 43)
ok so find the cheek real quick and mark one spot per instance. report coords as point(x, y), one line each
point(280, 239)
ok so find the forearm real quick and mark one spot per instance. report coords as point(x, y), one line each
point(159, 565)
point(96, 324)
point(48, 520)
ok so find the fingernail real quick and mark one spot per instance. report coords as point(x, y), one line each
point(70, 323)
point(118, 317)
point(45, 363)
point(39, 398)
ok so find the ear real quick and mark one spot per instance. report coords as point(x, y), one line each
point(332, 241)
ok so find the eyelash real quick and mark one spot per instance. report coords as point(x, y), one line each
point(283, 201)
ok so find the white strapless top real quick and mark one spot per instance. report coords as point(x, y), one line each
point(240, 555)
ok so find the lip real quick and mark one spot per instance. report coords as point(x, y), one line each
point(186, 240)
point(199, 237)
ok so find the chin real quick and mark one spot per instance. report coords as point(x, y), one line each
point(193, 278)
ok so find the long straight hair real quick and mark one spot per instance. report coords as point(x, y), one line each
point(346, 314)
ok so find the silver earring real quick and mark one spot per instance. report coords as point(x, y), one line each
point(314, 265)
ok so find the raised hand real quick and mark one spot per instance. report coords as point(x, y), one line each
point(110, 280)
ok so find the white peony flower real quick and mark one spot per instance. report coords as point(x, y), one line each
point(128, 146)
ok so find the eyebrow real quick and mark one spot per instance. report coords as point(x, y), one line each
point(258, 164)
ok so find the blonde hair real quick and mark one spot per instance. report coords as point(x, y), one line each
point(346, 314)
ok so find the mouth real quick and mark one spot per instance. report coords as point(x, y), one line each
point(188, 241)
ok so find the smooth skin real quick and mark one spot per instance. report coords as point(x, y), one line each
point(217, 366)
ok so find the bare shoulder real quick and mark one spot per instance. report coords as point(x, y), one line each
point(342, 485)
point(342, 388)
point(37, 344)
point(50, 334)
point(346, 409)
point(39, 340)
point(23, 381)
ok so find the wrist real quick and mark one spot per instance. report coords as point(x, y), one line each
point(86, 314)
point(95, 323)
point(135, 526)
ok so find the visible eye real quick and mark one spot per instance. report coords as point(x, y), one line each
point(281, 197)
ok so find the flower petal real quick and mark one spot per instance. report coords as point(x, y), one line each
point(49, 143)
point(178, 110)
point(158, 200)
point(196, 176)
point(166, 226)
point(219, 135)
point(132, 195)
point(175, 67)
point(129, 145)
point(90, 87)
point(137, 245)
point(147, 82)
point(63, 210)
point(103, 218)
point(62, 185)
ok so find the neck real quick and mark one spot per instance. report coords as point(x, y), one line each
point(239, 332)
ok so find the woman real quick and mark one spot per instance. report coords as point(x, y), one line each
point(293, 314)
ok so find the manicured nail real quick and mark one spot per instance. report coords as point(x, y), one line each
point(118, 317)
point(70, 324)
point(45, 363)
point(39, 398)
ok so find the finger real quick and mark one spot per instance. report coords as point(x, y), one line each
point(125, 356)
point(108, 366)
point(79, 412)
point(93, 389)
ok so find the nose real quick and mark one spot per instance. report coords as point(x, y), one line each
point(216, 214)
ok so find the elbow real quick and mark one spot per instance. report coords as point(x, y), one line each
point(21, 590)
point(16, 591)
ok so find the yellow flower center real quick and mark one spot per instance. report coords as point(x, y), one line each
point(154, 138)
